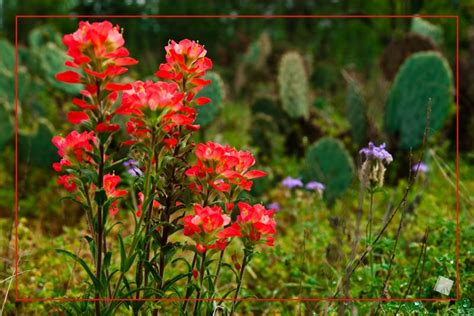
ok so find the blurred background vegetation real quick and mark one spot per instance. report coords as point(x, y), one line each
point(303, 94)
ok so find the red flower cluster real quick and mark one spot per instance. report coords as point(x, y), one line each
point(143, 101)
point(186, 64)
point(141, 198)
point(110, 183)
point(97, 49)
point(73, 148)
point(205, 226)
point(256, 222)
point(222, 166)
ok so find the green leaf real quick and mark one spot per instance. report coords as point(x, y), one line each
point(96, 282)
point(172, 281)
point(123, 256)
point(152, 269)
point(91, 243)
point(107, 259)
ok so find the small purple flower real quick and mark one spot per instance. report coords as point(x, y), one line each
point(291, 183)
point(316, 186)
point(376, 153)
point(132, 168)
point(274, 206)
point(421, 167)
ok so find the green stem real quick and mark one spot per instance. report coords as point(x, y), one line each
point(239, 284)
point(100, 228)
point(218, 271)
point(201, 277)
point(369, 239)
point(188, 291)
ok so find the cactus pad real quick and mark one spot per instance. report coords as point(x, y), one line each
point(423, 76)
point(215, 91)
point(293, 85)
point(328, 162)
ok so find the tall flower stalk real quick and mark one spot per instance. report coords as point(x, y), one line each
point(98, 56)
point(371, 175)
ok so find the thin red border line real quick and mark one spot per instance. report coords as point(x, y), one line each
point(242, 16)
point(171, 299)
point(16, 157)
point(458, 232)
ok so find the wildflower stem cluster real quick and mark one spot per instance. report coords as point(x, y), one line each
point(177, 195)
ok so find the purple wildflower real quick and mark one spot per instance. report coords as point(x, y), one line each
point(132, 168)
point(376, 153)
point(316, 186)
point(274, 206)
point(420, 167)
point(291, 183)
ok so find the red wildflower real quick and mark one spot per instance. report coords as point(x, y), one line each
point(73, 147)
point(149, 95)
point(254, 222)
point(141, 197)
point(224, 166)
point(99, 40)
point(68, 182)
point(187, 60)
point(205, 226)
point(110, 182)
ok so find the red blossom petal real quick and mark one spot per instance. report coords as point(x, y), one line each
point(255, 174)
point(202, 100)
point(125, 61)
point(68, 76)
point(71, 64)
point(83, 104)
point(77, 117)
point(100, 75)
point(107, 128)
point(118, 86)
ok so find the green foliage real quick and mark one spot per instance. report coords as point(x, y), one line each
point(50, 59)
point(8, 55)
point(43, 35)
point(356, 112)
point(258, 51)
point(423, 76)
point(293, 85)
point(6, 126)
point(328, 162)
point(215, 91)
point(427, 29)
point(35, 148)
point(265, 135)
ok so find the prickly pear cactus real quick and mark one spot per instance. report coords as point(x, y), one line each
point(427, 29)
point(328, 162)
point(35, 147)
point(293, 85)
point(51, 60)
point(258, 51)
point(215, 91)
point(42, 35)
point(424, 76)
point(356, 112)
